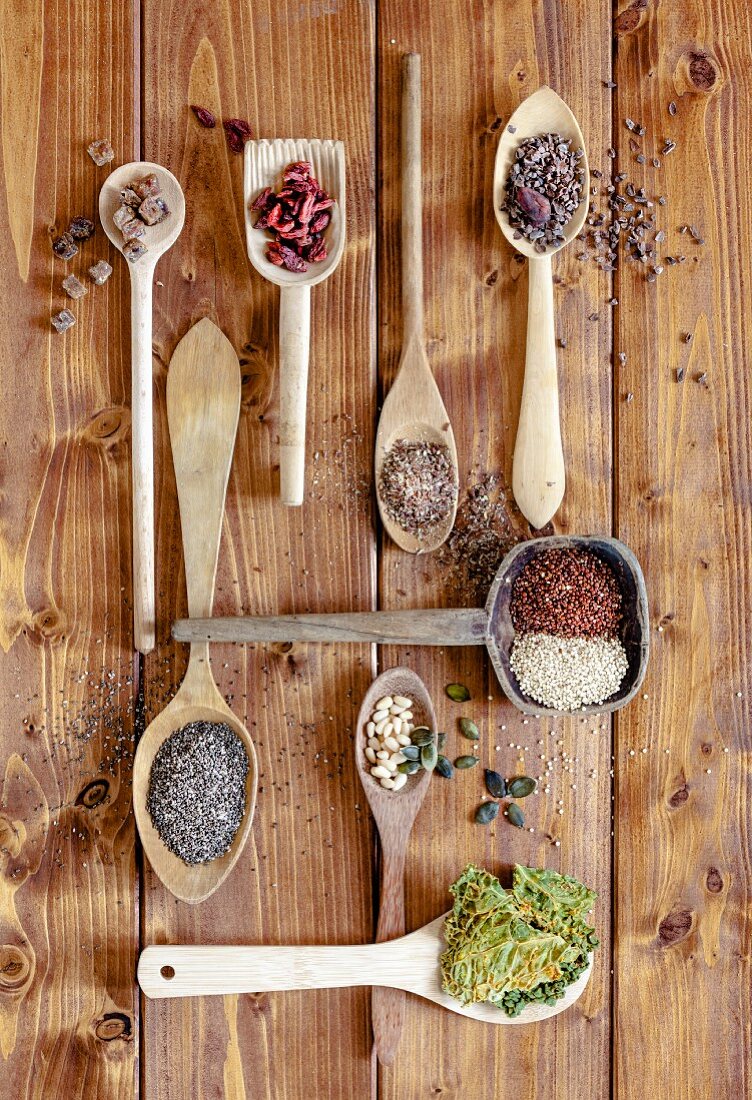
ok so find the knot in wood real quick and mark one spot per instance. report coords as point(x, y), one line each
point(675, 927)
point(114, 1025)
point(702, 71)
point(714, 880)
point(630, 19)
point(15, 968)
point(93, 794)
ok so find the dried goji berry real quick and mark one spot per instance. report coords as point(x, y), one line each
point(205, 116)
point(238, 132)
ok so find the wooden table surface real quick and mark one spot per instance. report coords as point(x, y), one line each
point(651, 809)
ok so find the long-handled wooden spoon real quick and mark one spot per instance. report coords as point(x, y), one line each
point(538, 468)
point(158, 239)
point(410, 963)
point(203, 405)
point(264, 162)
point(413, 409)
point(394, 813)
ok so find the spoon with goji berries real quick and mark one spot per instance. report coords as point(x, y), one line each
point(540, 191)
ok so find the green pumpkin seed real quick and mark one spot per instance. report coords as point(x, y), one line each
point(408, 767)
point(469, 729)
point(429, 754)
point(410, 752)
point(486, 812)
point(458, 693)
point(441, 740)
point(521, 786)
point(466, 761)
point(495, 784)
point(421, 736)
point(444, 767)
point(515, 815)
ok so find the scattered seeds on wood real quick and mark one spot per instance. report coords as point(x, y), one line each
point(495, 784)
point(204, 116)
point(463, 762)
point(672, 108)
point(486, 813)
point(444, 767)
point(515, 815)
point(521, 786)
point(458, 693)
point(469, 729)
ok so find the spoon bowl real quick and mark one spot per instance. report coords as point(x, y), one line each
point(203, 406)
point(538, 477)
point(158, 238)
point(264, 164)
point(410, 963)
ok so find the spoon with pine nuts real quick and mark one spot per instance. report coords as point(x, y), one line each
point(394, 811)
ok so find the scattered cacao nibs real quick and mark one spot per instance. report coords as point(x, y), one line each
point(196, 795)
point(622, 357)
point(544, 187)
point(592, 317)
point(569, 592)
point(668, 147)
point(296, 216)
point(511, 129)
point(608, 83)
point(562, 341)
point(417, 485)
point(702, 378)
point(613, 301)
point(238, 132)
point(680, 374)
point(640, 158)
point(672, 108)
point(687, 337)
point(204, 116)
point(629, 398)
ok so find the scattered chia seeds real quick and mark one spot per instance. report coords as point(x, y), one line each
point(417, 485)
point(196, 795)
point(568, 673)
point(568, 592)
point(544, 188)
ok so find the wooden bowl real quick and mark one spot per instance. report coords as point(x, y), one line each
point(634, 631)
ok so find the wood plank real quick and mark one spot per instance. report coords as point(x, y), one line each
point(68, 927)
point(305, 876)
point(682, 832)
point(479, 61)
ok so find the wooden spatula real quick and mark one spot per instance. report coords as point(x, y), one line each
point(413, 409)
point(410, 963)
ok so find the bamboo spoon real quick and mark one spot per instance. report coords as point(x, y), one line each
point(158, 239)
point(538, 467)
point(413, 409)
point(394, 813)
point(264, 162)
point(410, 963)
point(203, 405)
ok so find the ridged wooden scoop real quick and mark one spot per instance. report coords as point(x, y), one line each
point(394, 813)
point(538, 468)
point(410, 963)
point(203, 406)
point(413, 409)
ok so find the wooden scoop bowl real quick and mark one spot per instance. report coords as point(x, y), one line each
point(410, 963)
point(538, 466)
point(264, 163)
point(413, 409)
point(203, 406)
point(157, 240)
point(394, 813)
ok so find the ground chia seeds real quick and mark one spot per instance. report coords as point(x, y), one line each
point(417, 485)
point(196, 795)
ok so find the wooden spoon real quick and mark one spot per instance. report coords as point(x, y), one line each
point(394, 813)
point(413, 409)
point(538, 467)
point(264, 162)
point(203, 405)
point(410, 963)
point(158, 239)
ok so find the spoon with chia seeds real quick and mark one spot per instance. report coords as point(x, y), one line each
point(415, 454)
point(540, 201)
point(203, 406)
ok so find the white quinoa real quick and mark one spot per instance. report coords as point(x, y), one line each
point(568, 673)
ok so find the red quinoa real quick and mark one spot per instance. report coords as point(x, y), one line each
point(568, 592)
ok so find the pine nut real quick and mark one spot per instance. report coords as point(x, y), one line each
point(397, 725)
point(402, 701)
point(403, 739)
point(394, 709)
point(370, 729)
point(385, 703)
point(388, 783)
point(391, 743)
point(380, 772)
point(379, 716)
point(398, 758)
point(383, 754)
point(398, 782)
point(370, 755)
point(380, 726)
point(406, 715)
point(374, 743)
point(390, 765)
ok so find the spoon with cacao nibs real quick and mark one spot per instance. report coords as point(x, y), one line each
point(540, 200)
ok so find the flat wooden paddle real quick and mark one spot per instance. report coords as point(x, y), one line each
point(410, 963)
point(394, 813)
point(413, 409)
point(203, 406)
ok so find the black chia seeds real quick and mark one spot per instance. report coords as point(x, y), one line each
point(417, 485)
point(544, 187)
point(196, 795)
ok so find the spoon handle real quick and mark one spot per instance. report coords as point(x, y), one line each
point(388, 1005)
point(412, 208)
point(538, 468)
point(294, 348)
point(142, 459)
point(183, 971)
point(434, 626)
